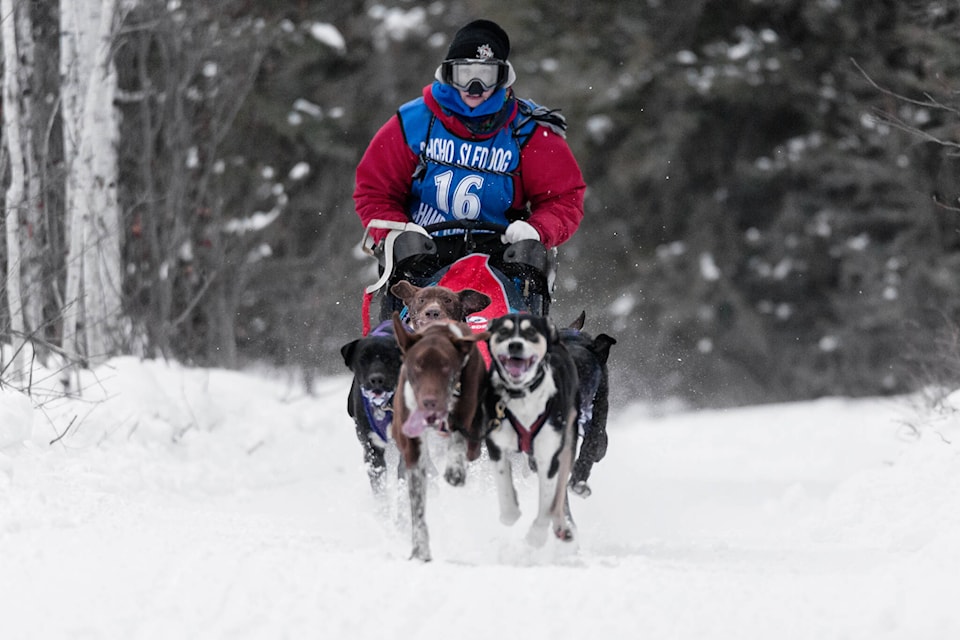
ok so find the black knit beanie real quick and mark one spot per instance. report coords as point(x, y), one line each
point(481, 39)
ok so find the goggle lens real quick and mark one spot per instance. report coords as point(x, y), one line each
point(462, 74)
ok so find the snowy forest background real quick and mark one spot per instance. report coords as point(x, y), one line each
point(772, 210)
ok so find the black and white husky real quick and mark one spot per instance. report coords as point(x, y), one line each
point(531, 407)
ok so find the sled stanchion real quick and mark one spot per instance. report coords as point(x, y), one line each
point(365, 312)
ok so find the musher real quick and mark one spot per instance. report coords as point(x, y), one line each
point(469, 150)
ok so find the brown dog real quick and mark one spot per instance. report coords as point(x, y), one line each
point(441, 384)
point(426, 305)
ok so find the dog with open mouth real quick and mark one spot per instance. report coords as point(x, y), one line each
point(374, 361)
point(441, 385)
point(531, 407)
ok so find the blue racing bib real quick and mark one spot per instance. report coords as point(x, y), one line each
point(459, 179)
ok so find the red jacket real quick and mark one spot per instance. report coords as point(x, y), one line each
point(549, 178)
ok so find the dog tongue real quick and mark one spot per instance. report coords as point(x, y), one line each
point(417, 423)
point(516, 367)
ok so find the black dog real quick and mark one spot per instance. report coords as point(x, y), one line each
point(375, 363)
point(531, 407)
point(590, 355)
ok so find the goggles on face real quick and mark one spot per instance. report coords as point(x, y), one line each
point(474, 76)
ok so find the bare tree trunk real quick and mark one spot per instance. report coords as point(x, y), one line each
point(30, 236)
point(16, 192)
point(153, 284)
point(93, 285)
point(102, 276)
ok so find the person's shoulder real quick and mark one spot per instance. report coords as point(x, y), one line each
point(414, 118)
point(530, 114)
point(414, 111)
point(413, 105)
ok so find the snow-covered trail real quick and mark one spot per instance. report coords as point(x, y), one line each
point(815, 520)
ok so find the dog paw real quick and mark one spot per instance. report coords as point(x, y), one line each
point(564, 533)
point(537, 535)
point(509, 516)
point(423, 555)
point(456, 476)
point(581, 488)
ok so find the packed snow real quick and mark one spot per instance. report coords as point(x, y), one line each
point(170, 502)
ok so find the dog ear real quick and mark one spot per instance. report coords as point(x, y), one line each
point(469, 341)
point(473, 301)
point(404, 337)
point(347, 352)
point(404, 290)
point(578, 323)
point(553, 335)
point(601, 346)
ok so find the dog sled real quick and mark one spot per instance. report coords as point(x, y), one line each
point(469, 257)
point(519, 278)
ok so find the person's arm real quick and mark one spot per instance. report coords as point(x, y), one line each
point(553, 185)
point(383, 178)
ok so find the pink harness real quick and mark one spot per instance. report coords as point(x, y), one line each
point(526, 434)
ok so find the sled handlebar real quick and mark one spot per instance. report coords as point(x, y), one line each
point(466, 225)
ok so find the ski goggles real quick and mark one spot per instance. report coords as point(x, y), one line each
point(470, 75)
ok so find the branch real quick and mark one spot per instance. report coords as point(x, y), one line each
point(196, 300)
point(930, 101)
point(65, 431)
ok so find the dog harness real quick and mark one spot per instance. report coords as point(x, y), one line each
point(379, 409)
point(525, 434)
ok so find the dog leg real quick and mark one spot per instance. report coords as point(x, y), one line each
point(560, 510)
point(553, 475)
point(594, 445)
point(416, 486)
point(537, 535)
point(376, 466)
point(506, 493)
point(547, 442)
point(579, 477)
point(372, 454)
point(412, 454)
point(585, 461)
point(456, 471)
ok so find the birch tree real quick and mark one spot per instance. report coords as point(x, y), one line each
point(24, 281)
point(16, 191)
point(91, 322)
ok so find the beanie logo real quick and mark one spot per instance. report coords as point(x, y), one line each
point(484, 52)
